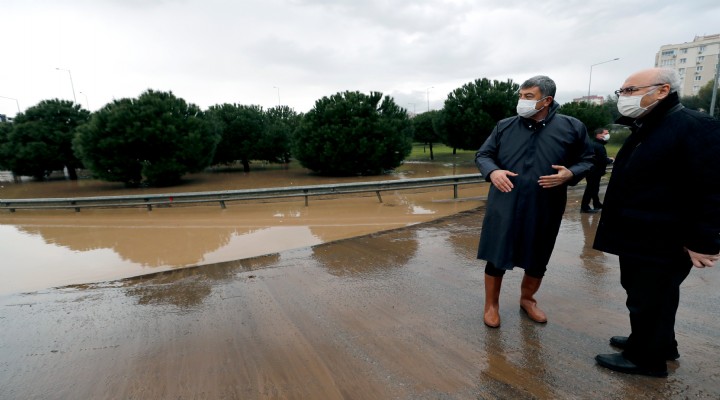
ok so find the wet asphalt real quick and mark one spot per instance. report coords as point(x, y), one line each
point(390, 315)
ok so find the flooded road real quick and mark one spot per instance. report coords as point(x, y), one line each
point(42, 249)
point(389, 315)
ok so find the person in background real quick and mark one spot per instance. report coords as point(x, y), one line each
point(530, 159)
point(600, 163)
point(661, 214)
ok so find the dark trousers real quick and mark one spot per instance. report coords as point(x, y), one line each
point(492, 270)
point(653, 294)
point(592, 191)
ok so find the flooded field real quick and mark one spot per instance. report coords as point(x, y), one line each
point(41, 249)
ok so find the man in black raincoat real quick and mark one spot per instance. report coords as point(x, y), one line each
point(661, 214)
point(530, 160)
point(600, 163)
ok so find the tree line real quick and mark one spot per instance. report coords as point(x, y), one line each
point(157, 138)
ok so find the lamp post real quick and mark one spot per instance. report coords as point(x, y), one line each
point(278, 92)
point(715, 88)
point(71, 82)
point(590, 81)
point(87, 103)
point(16, 102)
point(414, 110)
point(428, 95)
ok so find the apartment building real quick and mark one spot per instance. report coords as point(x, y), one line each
point(695, 61)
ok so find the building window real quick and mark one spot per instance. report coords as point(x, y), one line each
point(668, 52)
point(681, 71)
point(702, 48)
point(699, 68)
point(665, 63)
point(683, 60)
point(698, 78)
point(701, 58)
point(683, 51)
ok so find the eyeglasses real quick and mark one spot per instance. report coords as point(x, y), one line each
point(632, 89)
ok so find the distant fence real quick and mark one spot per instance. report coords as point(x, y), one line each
point(223, 197)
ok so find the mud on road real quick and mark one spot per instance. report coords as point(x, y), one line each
point(390, 315)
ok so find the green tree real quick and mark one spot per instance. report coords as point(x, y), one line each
point(702, 100)
point(41, 139)
point(592, 115)
point(276, 141)
point(471, 112)
point(352, 133)
point(610, 104)
point(154, 140)
point(5, 129)
point(425, 129)
point(241, 128)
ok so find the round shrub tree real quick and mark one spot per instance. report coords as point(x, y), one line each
point(154, 140)
point(40, 140)
point(352, 133)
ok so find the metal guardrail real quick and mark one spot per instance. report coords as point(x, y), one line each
point(222, 197)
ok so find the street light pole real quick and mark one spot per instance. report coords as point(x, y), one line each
point(590, 81)
point(278, 91)
point(71, 82)
point(414, 110)
point(16, 102)
point(87, 103)
point(428, 96)
point(715, 88)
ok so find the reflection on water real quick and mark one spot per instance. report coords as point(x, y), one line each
point(352, 257)
point(34, 256)
point(56, 248)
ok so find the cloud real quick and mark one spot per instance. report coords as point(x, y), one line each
point(213, 52)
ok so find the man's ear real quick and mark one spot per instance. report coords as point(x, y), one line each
point(664, 91)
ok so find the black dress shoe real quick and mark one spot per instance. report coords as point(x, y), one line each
point(621, 342)
point(589, 210)
point(617, 362)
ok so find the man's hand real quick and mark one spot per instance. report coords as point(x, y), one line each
point(702, 260)
point(500, 179)
point(558, 179)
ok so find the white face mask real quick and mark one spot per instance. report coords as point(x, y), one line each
point(629, 106)
point(526, 108)
point(606, 137)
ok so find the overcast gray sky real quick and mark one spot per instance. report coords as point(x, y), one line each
point(250, 51)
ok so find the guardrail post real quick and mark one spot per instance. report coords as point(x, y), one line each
point(306, 197)
point(222, 204)
point(378, 195)
point(72, 203)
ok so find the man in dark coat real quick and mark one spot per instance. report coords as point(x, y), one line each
point(600, 163)
point(661, 214)
point(530, 160)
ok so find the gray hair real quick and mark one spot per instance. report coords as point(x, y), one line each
point(669, 76)
point(545, 84)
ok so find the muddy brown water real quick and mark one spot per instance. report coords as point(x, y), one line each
point(41, 249)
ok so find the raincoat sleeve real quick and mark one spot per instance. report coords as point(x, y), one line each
point(582, 155)
point(486, 156)
point(701, 215)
